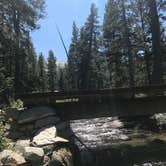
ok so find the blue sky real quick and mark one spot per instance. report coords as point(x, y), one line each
point(62, 13)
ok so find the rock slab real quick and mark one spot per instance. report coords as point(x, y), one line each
point(62, 157)
point(21, 144)
point(33, 154)
point(34, 114)
point(47, 121)
point(45, 136)
point(8, 157)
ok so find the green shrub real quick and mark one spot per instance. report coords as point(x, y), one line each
point(4, 141)
point(18, 104)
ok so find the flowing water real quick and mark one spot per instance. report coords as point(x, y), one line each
point(99, 132)
point(102, 133)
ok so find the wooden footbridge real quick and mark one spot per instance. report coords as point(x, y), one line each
point(133, 101)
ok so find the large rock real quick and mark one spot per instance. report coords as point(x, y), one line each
point(47, 121)
point(64, 130)
point(62, 157)
point(34, 114)
point(45, 136)
point(116, 124)
point(63, 125)
point(27, 129)
point(46, 161)
point(34, 155)
point(124, 137)
point(8, 157)
point(21, 144)
point(49, 148)
point(160, 120)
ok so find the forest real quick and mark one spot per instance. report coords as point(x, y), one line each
point(127, 49)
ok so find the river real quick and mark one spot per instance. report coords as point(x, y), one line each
point(103, 133)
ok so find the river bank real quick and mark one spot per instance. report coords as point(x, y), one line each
point(132, 141)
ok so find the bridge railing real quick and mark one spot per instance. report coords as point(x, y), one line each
point(93, 95)
point(73, 105)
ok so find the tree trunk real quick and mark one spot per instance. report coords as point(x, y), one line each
point(16, 22)
point(128, 45)
point(156, 43)
point(147, 55)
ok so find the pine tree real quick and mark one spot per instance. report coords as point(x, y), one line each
point(31, 71)
point(74, 59)
point(100, 76)
point(52, 71)
point(61, 81)
point(142, 42)
point(82, 52)
point(156, 42)
point(88, 48)
point(92, 38)
point(113, 43)
point(42, 74)
point(20, 17)
point(127, 42)
point(63, 78)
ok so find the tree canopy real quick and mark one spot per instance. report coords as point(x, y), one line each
point(127, 49)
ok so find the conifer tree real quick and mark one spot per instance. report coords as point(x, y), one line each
point(74, 59)
point(92, 38)
point(30, 78)
point(113, 43)
point(82, 68)
point(42, 74)
point(52, 71)
point(156, 42)
point(142, 42)
point(127, 42)
point(62, 80)
point(90, 57)
point(18, 18)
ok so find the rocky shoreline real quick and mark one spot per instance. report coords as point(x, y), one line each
point(40, 138)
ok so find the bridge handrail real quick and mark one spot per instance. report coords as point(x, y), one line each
point(123, 92)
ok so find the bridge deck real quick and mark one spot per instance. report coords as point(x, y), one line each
point(108, 102)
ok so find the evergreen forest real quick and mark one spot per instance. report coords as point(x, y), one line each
point(126, 49)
